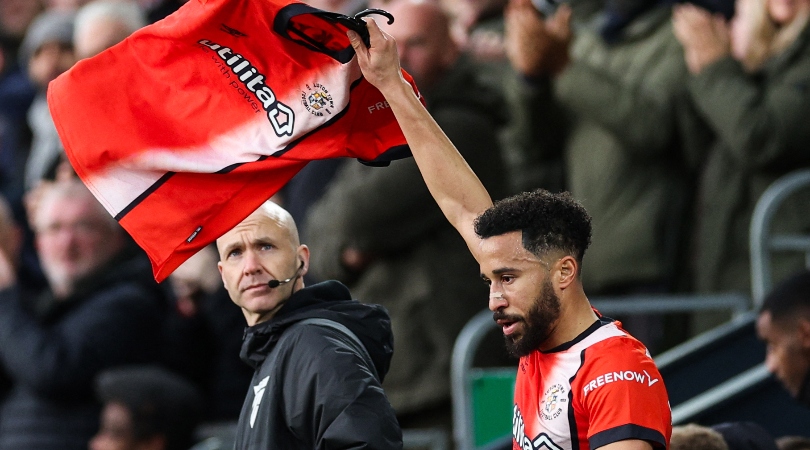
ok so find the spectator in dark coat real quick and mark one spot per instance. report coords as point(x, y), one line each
point(16, 95)
point(746, 125)
point(102, 310)
point(47, 52)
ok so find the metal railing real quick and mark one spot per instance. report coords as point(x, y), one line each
point(762, 243)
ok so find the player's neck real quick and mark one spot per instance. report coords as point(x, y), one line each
point(576, 316)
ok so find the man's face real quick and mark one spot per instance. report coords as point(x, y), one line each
point(116, 431)
point(73, 239)
point(522, 296)
point(424, 47)
point(260, 249)
point(49, 61)
point(786, 356)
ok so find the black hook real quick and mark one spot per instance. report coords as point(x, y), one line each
point(368, 12)
point(358, 25)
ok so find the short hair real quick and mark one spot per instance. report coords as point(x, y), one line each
point(696, 437)
point(548, 222)
point(159, 402)
point(789, 297)
point(126, 12)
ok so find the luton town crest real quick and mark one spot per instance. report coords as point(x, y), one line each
point(552, 402)
point(317, 100)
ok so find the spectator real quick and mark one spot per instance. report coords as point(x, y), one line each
point(480, 27)
point(102, 310)
point(16, 95)
point(696, 437)
point(616, 87)
point(745, 436)
point(784, 325)
point(101, 24)
point(605, 96)
point(319, 357)
point(10, 244)
point(204, 336)
point(15, 18)
point(745, 124)
point(146, 408)
point(47, 51)
point(377, 230)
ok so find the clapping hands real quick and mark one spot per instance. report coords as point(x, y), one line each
point(705, 37)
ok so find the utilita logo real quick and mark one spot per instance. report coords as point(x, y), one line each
point(280, 115)
point(541, 442)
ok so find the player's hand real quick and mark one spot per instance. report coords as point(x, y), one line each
point(379, 62)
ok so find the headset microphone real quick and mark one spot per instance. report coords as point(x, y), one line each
point(272, 284)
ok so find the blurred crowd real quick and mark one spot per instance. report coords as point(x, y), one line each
point(666, 120)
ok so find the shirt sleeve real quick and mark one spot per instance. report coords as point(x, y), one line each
point(623, 394)
point(375, 137)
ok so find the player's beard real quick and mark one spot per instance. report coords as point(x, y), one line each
point(538, 323)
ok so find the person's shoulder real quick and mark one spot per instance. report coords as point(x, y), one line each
point(616, 350)
point(318, 336)
point(324, 348)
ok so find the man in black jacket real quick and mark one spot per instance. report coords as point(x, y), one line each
point(101, 309)
point(319, 355)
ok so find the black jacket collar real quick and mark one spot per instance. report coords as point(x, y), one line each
point(329, 300)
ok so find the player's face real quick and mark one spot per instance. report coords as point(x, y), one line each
point(522, 297)
point(785, 357)
point(254, 252)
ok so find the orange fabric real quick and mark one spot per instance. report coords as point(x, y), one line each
point(191, 123)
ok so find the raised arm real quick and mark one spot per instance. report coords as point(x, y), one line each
point(454, 186)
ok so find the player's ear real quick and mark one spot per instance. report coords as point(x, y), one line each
point(567, 271)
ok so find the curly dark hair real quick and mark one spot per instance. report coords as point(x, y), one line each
point(548, 222)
